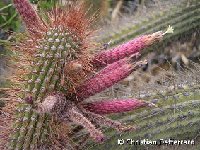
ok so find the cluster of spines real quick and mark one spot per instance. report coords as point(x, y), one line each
point(55, 48)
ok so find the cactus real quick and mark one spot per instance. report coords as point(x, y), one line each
point(56, 73)
point(63, 74)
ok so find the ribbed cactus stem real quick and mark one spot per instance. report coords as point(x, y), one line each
point(126, 49)
point(115, 106)
point(28, 14)
point(103, 81)
point(43, 79)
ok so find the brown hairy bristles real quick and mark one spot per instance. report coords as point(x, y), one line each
point(72, 22)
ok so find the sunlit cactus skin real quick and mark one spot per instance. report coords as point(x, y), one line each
point(58, 53)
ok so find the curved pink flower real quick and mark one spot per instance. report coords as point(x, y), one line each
point(124, 50)
point(102, 81)
point(114, 106)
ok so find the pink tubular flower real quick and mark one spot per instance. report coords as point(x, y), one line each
point(28, 14)
point(114, 106)
point(127, 49)
point(100, 82)
point(117, 64)
point(119, 52)
point(112, 67)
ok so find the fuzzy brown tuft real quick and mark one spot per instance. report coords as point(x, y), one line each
point(74, 20)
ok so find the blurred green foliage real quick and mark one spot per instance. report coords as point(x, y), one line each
point(44, 4)
point(8, 16)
